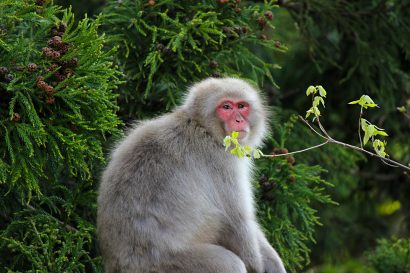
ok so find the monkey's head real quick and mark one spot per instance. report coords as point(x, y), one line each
point(224, 105)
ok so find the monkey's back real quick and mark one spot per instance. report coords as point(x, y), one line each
point(155, 196)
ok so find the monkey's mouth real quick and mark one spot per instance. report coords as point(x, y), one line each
point(242, 134)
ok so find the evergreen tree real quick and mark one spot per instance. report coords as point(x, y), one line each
point(57, 110)
point(167, 45)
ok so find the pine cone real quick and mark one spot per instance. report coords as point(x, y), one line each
point(279, 151)
point(261, 21)
point(59, 77)
point(213, 64)
point(8, 78)
point(63, 49)
point(16, 117)
point(55, 32)
point(41, 84)
point(68, 72)
point(62, 27)
point(290, 159)
point(32, 67)
point(48, 89)
point(39, 78)
point(73, 62)
point(52, 67)
point(55, 42)
point(269, 15)
point(55, 55)
point(4, 70)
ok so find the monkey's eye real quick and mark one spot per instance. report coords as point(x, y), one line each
point(240, 105)
point(226, 106)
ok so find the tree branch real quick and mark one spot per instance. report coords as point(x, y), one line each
point(331, 140)
point(299, 151)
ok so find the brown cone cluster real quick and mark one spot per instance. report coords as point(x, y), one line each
point(60, 69)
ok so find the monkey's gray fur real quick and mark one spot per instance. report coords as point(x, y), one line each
point(172, 200)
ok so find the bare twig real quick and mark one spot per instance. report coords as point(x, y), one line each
point(329, 139)
point(298, 151)
point(358, 128)
point(311, 127)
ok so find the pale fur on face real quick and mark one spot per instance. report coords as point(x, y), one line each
point(203, 97)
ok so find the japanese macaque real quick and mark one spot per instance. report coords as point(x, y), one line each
point(172, 200)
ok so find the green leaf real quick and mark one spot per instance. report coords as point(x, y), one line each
point(309, 112)
point(227, 142)
point(402, 109)
point(235, 135)
point(322, 91)
point(365, 101)
point(317, 101)
point(368, 133)
point(364, 123)
point(257, 153)
point(316, 111)
point(368, 100)
point(247, 148)
point(354, 102)
point(310, 90)
point(235, 141)
point(379, 147)
point(380, 132)
point(241, 152)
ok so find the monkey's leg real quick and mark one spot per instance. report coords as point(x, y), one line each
point(204, 258)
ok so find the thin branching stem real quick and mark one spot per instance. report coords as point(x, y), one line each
point(359, 127)
point(331, 140)
point(311, 127)
point(298, 151)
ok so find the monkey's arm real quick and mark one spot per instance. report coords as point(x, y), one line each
point(271, 261)
point(242, 240)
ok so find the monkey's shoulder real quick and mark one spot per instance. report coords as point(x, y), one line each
point(169, 135)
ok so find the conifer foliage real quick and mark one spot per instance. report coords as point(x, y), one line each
point(167, 45)
point(56, 109)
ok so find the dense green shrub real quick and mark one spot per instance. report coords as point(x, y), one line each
point(57, 109)
point(167, 45)
point(348, 266)
point(288, 192)
point(391, 256)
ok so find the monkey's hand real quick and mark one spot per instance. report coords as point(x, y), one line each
point(273, 265)
point(270, 258)
point(244, 242)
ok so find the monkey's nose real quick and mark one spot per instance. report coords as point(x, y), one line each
point(239, 118)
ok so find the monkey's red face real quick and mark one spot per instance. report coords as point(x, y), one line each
point(234, 114)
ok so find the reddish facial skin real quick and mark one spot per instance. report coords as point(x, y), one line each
point(234, 114)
